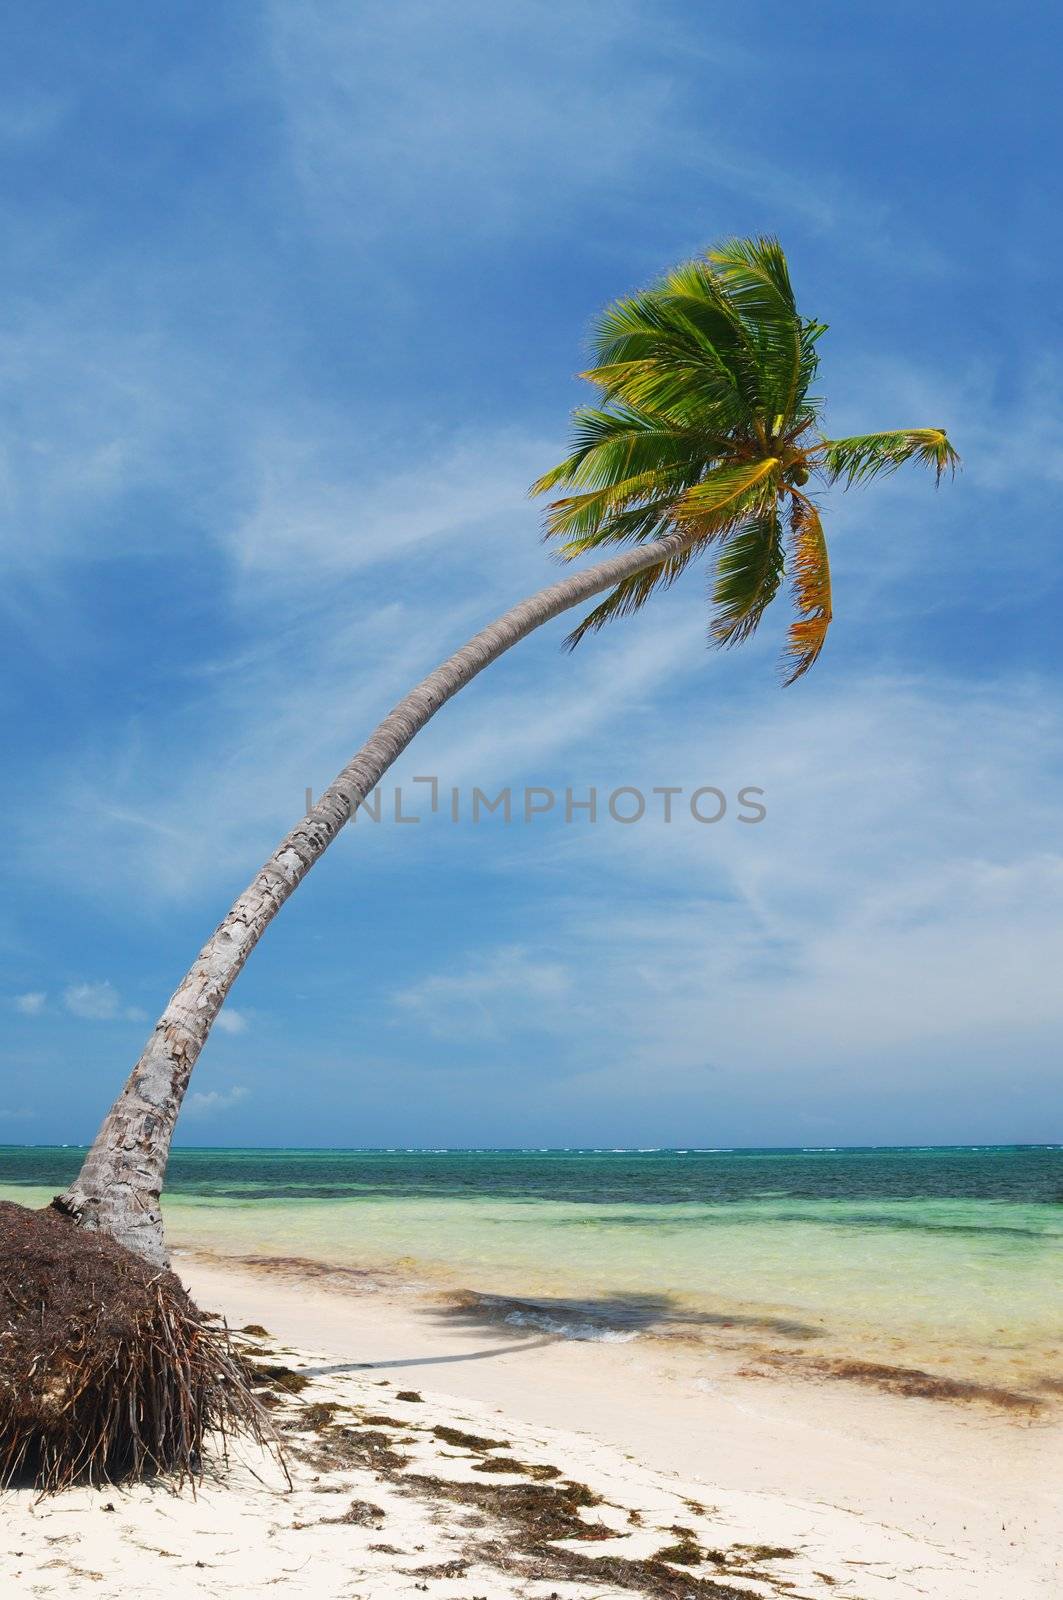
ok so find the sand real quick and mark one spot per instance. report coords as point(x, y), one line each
point(718, 1469)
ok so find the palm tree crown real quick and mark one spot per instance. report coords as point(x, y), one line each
point(706, 425)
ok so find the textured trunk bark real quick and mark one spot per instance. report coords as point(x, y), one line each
point(119, 1185)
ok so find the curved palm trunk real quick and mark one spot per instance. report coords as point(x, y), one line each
point(120, 1182)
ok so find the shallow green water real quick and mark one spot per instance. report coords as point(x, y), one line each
point(942, 1256)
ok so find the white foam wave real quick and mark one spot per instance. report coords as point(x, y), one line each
point(589, 1332)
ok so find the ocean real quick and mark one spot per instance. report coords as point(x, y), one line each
point(950, 1258)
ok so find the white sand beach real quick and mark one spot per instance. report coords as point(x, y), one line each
point(720, 1476)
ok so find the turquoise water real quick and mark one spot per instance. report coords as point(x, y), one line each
point(950, 1257)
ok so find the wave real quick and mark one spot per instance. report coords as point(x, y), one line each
point(585, 1332)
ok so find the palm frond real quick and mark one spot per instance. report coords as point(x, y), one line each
point(748, 573)
point(811, 590)
point(585, 528)
point(686, 312)
point(698, 300)
point(584, 520)
point(687, 326)
point(723, 495)
point(614, 445)
point(683, 388)
point(632, 593)
point(648, 520)
point(866, 456)
point(755, 279)
point(592, 427)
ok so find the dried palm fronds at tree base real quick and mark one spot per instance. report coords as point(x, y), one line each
point(107, 1368)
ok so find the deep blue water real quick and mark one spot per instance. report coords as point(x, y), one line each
point(1020, 1174)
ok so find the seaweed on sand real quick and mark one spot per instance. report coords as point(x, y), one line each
point(275, 1375)
point(337, 1448)
point(526, 1469)
point(467, 1441)
point(917, 1384)
point(533, 1518)
point(528, 1528)
point(685, 1552)
point(107, 1368)
point(553, 1513)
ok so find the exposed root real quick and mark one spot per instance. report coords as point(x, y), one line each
point(107, 1368)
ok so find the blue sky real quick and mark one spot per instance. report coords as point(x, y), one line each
point(294, 298)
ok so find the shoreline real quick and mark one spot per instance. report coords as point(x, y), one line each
point(435, 1451)
point(873, 1267)
point(777, 1341)
point(967, 1475)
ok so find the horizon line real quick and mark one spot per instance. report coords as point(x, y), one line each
point(577, 1149)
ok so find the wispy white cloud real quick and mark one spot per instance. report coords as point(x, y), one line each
point(298, 701)
point(207, 1103)
point(321, 506)
point(229, 1020)
point(506, 990)
point(387, 121)
point(93, 418)
point(32, 1003)
point(99, 1002)
point(459, 139)
point(899, 903)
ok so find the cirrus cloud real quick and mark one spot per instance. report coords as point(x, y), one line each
point(99, 1002)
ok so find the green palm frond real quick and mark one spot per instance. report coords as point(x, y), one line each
point(753, 275)
point(592, 428)
point(676, 318)
point(604, 515)
point(686, 314)
point(587, 520)
point(611, 446)
point(811, 589)
point(681, 388)
point(756, 276)
point(756, 280)
point(673, 356)
point(607, 516)
point(866, 456)
point(749, 570)
point(724, 494)
point(632, 594)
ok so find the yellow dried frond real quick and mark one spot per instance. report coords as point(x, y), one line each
point(810, 572)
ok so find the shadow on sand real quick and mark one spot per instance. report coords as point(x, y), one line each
point(605, 1319)
point(610, 1318)
point(425, 1361)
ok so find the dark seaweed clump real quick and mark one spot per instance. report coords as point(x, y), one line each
point(526, 1528)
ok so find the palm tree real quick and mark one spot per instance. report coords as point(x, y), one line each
point(705, 434)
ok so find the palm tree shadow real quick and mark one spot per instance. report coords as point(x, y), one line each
point(606, 1317)
point(426, 1361)
point(548, 1321)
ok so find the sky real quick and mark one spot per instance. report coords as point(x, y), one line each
point(294, 300)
